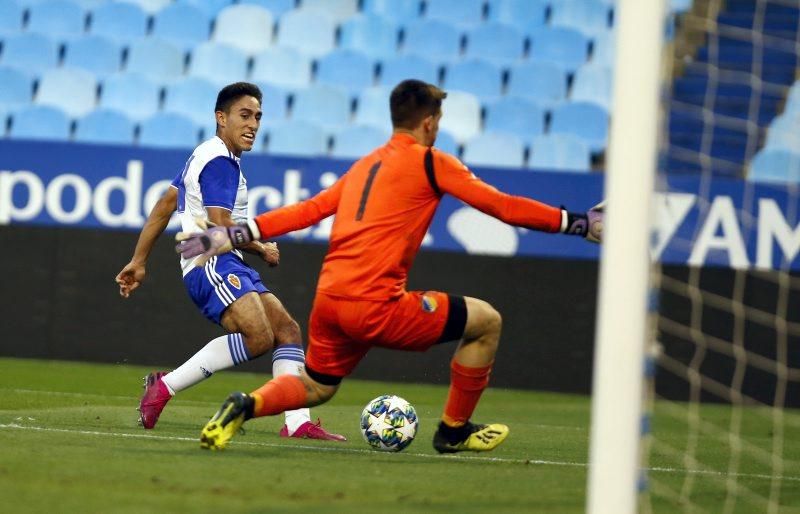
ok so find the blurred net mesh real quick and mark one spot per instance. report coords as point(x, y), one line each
point(721, 414)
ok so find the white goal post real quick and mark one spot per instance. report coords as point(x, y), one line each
point(618, 382)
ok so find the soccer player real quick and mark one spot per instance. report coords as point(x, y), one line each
point(226, 289)
point(384, 205)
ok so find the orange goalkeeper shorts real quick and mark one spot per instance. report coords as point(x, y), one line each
point(341, 331)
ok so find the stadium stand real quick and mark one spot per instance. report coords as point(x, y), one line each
point(401, 11)
point(155, 58)
point(348, 69)
point(274, 104)
point(592, 83)
point(10, 17)
point(151, 6)
point(282, 66)
point(370, 34)
point(499, 43)
point(481, 78)
point(526, 15)
point(542, 82)
point(40, 122)
point(775, 165)
point(401, 67)
point(74, 91)
point(96, 54)
point(355, 141)
point(326, 106)
point(338, 9)
point(464, 13)
point(105, 126)
point(246, 27)
point(495, 149)
point(169, 130)
point(433, 39)
point(213, 7)
point(183, 25)
point(56, 18)
point(296, 137)
point(276, 7)
point(29, 52)
point(133, 94)
point(564, 47)
point(559, 152)
point(462, 116)
point(372, 108)
point(310, 32)
point(218, 63)
point(589, 17)
point(184, 97)
point(17, 89)
point(586, 120)
point(124, 22)
point(447, 143)
point(515, 115)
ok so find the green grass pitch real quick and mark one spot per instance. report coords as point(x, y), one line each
point(71, 444)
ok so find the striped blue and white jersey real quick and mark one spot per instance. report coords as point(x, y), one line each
point(211, 178)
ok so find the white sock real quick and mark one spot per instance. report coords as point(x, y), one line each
point(220, 353)
point(288, 359)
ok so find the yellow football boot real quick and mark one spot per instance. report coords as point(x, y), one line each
point(474, 438)
point(227, 422)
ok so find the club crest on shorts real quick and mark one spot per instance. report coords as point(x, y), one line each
point(234, 281)
point(429, 304)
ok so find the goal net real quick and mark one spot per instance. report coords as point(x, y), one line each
point(719, 425)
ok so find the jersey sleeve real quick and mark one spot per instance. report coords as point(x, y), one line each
point(219, 182)
point(455, 178)
point(176, 182)
point(302, 214)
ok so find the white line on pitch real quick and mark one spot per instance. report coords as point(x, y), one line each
point(403, 454)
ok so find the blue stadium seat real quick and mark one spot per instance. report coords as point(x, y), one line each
point(10, 17)
point(297, 138)
point(585, 120)
point(371, 34)
point(310, 32)
point(323, 105)
point(465, 13)
point(212, 7)
point(593, 83)
point(274, 104)
point(356, 141)
point(218, 63)
point(340, 10)
point(447, 143)
point(604, 49)
point(151, 6)
point(169, 130)
point(133, 94)
point(495, 149)
point(400, 11)
point(96, 54)
point(276, 7)
point(72, 90)
point(461, 115)
point(122, 21)
point(396, 69)
point(17, 90)
point(498, 43)
point(515, 115)
point(561, 46)
point(40, 122)
point(246, 27)
point(480, 78)
point(183, 25)
point(436, 40)
point(282, 66)
point(56, 19)
point(348, 69)
point(541, 82)
point(559, 152)
point(784, 131)
point(523, 14)
point(775, 165)
point(192, 97)
point(31, 53)
point(104, 126)
point(372, 108)
point(590, 17)
point(155, 58)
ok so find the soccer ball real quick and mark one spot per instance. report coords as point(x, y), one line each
point(389, 423)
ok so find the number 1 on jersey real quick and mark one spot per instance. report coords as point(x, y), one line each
point(367, 187)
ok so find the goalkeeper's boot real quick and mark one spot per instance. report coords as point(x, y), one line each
point(155, 397)
point(469, 437)
point(309, 430)
point(228, 420)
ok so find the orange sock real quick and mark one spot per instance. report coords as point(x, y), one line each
point(280, 394)
point(466, 386)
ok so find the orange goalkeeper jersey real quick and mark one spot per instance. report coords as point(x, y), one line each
point(384, 205)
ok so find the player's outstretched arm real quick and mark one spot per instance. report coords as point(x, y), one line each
point(132, 275)
point(590, 225)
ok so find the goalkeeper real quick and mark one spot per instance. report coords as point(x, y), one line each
point(384, 205)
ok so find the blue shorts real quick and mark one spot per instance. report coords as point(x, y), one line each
point(223, 280)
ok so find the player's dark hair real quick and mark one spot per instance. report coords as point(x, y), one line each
point(412, 101)
point(232, 92)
